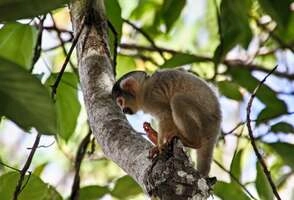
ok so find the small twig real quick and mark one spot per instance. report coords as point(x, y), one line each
point(142, 57)
point(228, 62)
point(8, 166)
point(235, 128)
point(148, 38)
point(250, 132)
point(62, 43)
point(42, 146)
point(115, 45)
point(74, 42)
point(38, 46)
point(61, 30)
point(57, 46)
point(234, 178)
point(24, 170)
point(78, 161)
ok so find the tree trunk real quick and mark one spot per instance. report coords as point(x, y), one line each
point(170, 176)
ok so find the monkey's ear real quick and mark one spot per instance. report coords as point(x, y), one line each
point(130, 84)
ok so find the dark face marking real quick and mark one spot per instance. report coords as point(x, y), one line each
point(127, 110)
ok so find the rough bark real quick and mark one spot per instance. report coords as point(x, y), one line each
point(170, 176)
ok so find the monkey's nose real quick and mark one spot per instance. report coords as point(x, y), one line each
point(127, 110)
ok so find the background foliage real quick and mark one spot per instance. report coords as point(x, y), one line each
point(232, 44)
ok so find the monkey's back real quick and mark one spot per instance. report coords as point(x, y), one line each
point(163, 85)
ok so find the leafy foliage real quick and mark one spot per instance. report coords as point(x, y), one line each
point(262, 185)
point(274, 106)
point(180, 59)
point(125, 187)
point(246, 40)
point(66, 104)
point(12, 10)
point(17, 43)
point(229, 191)
point(25, 100)
point(35, 189)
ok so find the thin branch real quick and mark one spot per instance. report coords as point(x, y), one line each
point(24, 170)
point(229, 63)
point(61, 30)
point(250, 132)
point(57, 46)
point(234, 178)
point(148, 38)
point(253, 67)
point(78, 161)
point(62, 43)
point(8, 166)
point(38, 46)
point(115, 45)
point(142, 57)
point(43, 146)
point(74, 42)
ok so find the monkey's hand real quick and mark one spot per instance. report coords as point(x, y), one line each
point(151, 133)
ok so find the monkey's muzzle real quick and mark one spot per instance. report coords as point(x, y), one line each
point(127, 111)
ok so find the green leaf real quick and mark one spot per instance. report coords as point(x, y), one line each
point(25, 100)
point(67, 104)
point(235, 27)
point(230, 90)
point(39, 169)
point(284, 150)
point(236, 165)
point(126, 187)
point(274, 106)
point(125, 64)
point(179, 59)
point(93, 192)
point(35, 188)
point(229, 191)
point(113, 12)
point(262, 185)
point(283, 127)
point(17, 43)
point(11, 10)
point(170, 11)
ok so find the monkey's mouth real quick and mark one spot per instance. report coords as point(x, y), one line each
point(127, 110)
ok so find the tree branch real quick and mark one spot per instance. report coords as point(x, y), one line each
point(118, 140)
point(252, 139)
point(25, 168)
point(234, 178)
point(79, 158)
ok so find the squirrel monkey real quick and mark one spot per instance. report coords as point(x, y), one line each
point(184, 105)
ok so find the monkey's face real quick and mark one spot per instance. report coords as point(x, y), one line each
point(126, 91)
point(127, 104)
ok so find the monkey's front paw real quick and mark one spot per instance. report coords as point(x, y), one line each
point(153, 152)
point(151, 133)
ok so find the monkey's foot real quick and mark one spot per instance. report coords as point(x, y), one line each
point(151, 133)
point(153, 152)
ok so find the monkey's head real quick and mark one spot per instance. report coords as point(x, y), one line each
point(127, 89)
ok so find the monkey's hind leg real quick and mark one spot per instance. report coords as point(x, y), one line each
point(185, 116)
